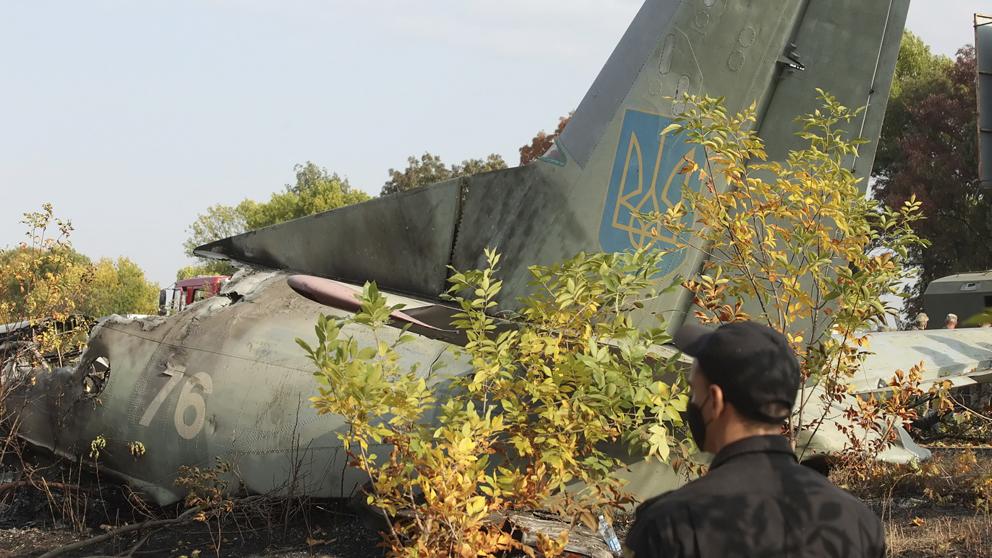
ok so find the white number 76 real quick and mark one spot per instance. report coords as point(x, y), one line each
point(187, 398)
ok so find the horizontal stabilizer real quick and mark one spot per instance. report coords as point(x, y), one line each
point(961, 356)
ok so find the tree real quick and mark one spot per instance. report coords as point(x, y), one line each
point(208, 267)
point(42, 281)
point(118, 287)
point(542, 141)
point(934, 157)
point(794, 241)
point(430, 169)
point(25, 270)
point(477, 166)
point(918, 74)
point(57, 281)
point(219, 221)
point(315, 191)
point(42, 277)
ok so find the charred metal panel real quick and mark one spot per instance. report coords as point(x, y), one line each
point(515, 212)
point(983, 56)
point(403, 242)
point(222, 379)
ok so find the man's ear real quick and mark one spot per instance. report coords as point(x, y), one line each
point(716, 399)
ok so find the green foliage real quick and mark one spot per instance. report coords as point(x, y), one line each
point(60, 281)
point(430, 169)
point(219, 221)
point(44, 281)
point(929, 151)
point(790, 243)
point(918, 74)
point(547, 395)
point(118, 288)
point(40, 283)
point(315, 191)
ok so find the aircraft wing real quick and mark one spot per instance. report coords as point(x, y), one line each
point(960, 356)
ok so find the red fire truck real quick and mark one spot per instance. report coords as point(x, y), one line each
point(188, 291)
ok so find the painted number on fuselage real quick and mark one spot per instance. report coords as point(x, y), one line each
point(188, 399)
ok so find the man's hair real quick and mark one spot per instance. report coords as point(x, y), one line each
point(778, 410)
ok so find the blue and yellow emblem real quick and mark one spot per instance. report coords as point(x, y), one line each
point(645, 179)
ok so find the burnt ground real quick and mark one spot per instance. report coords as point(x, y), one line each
point(35, 520)
point(65, 505)
point(317, 529)
point(30, 528)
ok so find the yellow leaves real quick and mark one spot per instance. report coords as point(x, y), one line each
point(796, 310)
point(661, 389)
point(674, 127)
point(688, 166)
point(658, 441)
point(476, 506)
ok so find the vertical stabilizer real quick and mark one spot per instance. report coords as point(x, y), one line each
point(983, 58)
point(611, 162)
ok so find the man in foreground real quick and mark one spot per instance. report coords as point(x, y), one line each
point(756, 500)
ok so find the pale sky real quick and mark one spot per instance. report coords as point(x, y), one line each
point(132, 117)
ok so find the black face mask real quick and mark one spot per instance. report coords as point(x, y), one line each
point(693, 416)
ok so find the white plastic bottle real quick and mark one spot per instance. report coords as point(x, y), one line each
point(609, 536)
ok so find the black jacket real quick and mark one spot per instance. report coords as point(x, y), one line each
point(756, 500)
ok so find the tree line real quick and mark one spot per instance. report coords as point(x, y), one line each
point(46, 277)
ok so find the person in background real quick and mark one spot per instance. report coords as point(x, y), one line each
point(951, 321)
point(921, 321)
point(756, 499)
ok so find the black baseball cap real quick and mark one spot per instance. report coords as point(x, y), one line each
point(752, 363)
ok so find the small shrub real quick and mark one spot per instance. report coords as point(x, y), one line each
point(796, 245)
point(547, 395)
point(207, 489)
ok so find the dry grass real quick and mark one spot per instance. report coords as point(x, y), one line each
point(940, 535)
point(937, 508)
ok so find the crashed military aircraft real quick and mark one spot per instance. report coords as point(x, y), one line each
point(224, 377)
